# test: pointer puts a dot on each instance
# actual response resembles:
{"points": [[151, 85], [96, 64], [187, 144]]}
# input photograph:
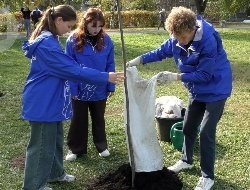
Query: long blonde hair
{"points": [[47, 23]]}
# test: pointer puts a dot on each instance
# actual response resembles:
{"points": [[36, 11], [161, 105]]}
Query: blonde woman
{"points": [[205, 71]]}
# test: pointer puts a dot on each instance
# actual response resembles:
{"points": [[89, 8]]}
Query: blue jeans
{"points": [[207, 115], [27, 27], [44, 156]]}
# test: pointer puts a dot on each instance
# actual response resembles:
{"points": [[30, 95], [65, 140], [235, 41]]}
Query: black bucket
{"points": [[164, 126]]}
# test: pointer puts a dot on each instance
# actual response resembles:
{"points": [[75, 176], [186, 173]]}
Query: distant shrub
{"points": [[133, 18], [212, 12], [9, 22]]}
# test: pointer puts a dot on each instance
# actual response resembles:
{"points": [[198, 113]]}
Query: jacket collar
{"points": [[199, 31], [197, 37]]}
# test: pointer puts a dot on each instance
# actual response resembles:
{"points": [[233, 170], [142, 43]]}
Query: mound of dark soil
{"points": [[121, 179]]}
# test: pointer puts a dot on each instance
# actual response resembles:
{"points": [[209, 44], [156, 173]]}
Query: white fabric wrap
{"points": [[147, 152]]}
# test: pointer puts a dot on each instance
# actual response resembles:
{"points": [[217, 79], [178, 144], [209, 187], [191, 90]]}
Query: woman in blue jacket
{"points": [[90, 47], [205, 71], [46, 97]]}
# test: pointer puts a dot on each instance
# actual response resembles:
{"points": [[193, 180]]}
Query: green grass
{"points": [[233, 152]]}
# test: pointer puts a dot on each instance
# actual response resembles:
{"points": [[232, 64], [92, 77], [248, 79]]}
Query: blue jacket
{"points": [[204, 66], [90, 57], [46, 95]]}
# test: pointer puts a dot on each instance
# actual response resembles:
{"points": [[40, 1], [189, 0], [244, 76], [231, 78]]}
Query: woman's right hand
{"points": [[74, 97], [134, 62], [116, 77]]}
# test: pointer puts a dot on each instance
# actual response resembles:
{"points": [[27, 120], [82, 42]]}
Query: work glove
{"points": [[166, 76], [134, 62]]}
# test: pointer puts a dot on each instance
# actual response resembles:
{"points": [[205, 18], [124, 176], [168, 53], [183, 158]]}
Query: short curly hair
{"points": [[180, 20]]}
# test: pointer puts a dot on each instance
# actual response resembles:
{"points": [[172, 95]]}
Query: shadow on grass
{"points": [[242, 35], [222, 184], [241, 72], [220, 150], [219, 184]]}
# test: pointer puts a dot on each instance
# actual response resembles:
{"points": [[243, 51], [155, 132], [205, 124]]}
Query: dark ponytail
{"points": [[47, 22]]}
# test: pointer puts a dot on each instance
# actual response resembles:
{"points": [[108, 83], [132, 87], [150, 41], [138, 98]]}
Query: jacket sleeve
{"points": [[206, 65], [111, 66], [163, 52], [70, 52], [63, 66]]}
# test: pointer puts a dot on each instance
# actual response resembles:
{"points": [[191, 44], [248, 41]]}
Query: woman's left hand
{"points": [[111, 94]]}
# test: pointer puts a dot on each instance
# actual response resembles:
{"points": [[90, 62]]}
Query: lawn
{"points": [[233, 152]]}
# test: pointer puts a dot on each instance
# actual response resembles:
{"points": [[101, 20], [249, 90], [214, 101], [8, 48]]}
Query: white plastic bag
{"points": [[168, 107], [147, 152]]}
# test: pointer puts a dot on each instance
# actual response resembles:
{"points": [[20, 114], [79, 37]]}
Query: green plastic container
{"points": [[176, 135], [164, 126]]}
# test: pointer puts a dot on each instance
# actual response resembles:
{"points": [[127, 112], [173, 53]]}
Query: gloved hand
{"points": [[166, 76], [134, 62]]}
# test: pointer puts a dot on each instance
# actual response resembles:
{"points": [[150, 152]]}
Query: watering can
{"points": [[176, 135]]}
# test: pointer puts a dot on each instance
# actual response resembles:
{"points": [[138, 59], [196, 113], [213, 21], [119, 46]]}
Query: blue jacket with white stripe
{"points": [[205, 69], [100, 60], [46, 94]]}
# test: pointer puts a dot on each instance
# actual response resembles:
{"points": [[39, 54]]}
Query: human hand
{"points": [[134, 62], [110, 94], [74, 97], [166, 76], [116, 77]]}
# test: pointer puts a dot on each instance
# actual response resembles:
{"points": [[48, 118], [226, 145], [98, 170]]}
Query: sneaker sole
{"points": [[177, 171]]}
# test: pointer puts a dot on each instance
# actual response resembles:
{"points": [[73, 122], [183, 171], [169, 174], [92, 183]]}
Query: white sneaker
{"points": [[67, 178], [70, 156], [105, 153], [204, 184], [47, 188], [64, 178], [180, 165]]}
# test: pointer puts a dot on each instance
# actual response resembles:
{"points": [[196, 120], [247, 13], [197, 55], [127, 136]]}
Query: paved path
{"points": [[12, 35], [126, 30], [21, 35]]}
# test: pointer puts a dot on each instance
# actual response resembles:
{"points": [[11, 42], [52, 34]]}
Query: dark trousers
{"points": [[207, 115], [77, 139], [161, 23]]}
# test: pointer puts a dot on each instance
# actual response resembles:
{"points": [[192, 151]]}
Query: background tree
{"points": [[231, 7], [148, 5], [12, 5], [226, 7], [106, 5]]}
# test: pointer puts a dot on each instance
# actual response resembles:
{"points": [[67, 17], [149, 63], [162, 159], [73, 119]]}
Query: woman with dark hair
{"points": [[46, 97], [91, 47]]}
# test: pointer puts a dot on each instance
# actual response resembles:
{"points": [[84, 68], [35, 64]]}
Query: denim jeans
{"points": [[206, 115], [44, 156], [27, 27]]}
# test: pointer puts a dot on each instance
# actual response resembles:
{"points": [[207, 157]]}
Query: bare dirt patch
{"points": [[121, 179]]}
